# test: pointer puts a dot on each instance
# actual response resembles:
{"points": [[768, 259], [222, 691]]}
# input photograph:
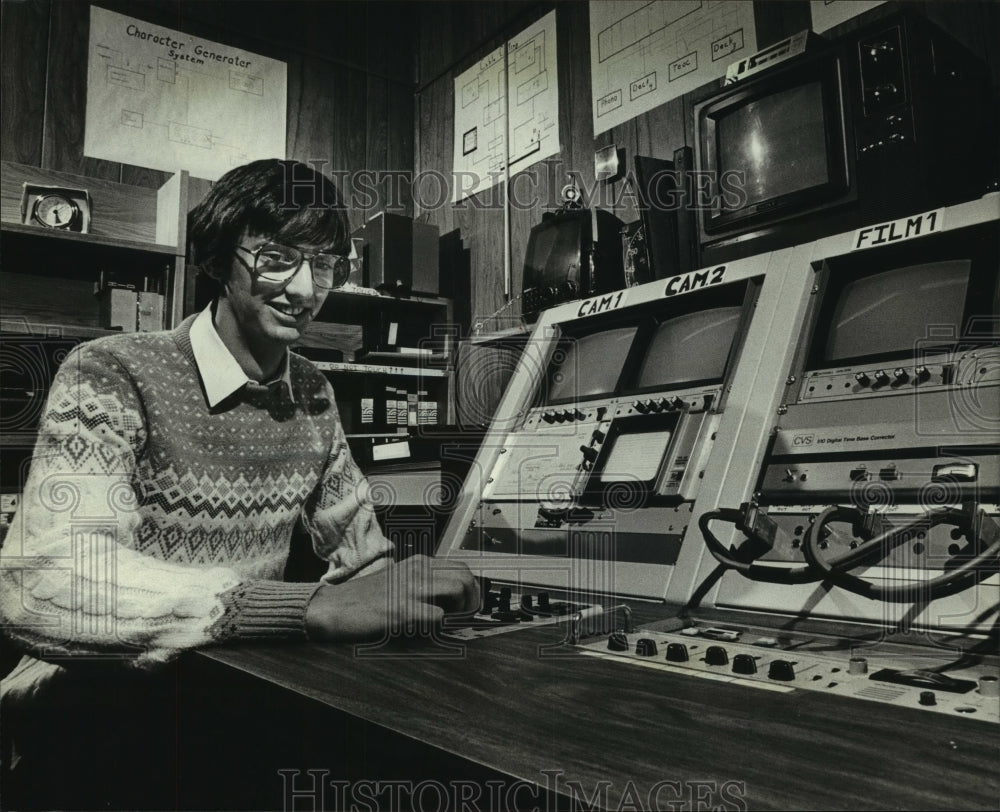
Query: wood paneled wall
{"points": [[371, 86], [350, 79], [454, 35]]}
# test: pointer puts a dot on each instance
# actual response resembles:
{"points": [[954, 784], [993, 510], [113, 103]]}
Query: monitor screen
{"points": [[688, 348], [892, 313], [777, 143], [590, 365], [553, 253]]}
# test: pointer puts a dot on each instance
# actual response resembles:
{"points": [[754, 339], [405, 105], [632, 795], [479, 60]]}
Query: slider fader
{"points": [[504, 609]]}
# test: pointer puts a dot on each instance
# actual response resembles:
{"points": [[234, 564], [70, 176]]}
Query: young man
{"points": [[171, 468]]}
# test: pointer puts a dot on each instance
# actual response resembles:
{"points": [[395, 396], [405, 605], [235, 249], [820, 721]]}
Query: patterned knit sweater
{"points": [[152, 523]]}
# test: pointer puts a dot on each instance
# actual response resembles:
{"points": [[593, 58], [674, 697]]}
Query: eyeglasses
{"points": [[279, 264]]}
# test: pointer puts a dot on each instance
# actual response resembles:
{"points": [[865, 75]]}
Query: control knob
{"points": [[988, 686], [617, 641], [645, 647], [781, 670], [878, 51], [885, 92], [677, 653], [744, 664], [716, 655]]}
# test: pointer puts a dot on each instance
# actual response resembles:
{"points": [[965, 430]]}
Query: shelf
{"points": [[356, 293], [13, 324], [508, 334], [379, 369], [436, 360], [87, 239], [355, 305]]}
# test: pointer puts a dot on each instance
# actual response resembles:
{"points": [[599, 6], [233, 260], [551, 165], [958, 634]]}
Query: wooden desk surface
{"points": [[504, 704]]}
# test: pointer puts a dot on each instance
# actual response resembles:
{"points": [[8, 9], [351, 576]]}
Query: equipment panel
{"points": [[877, 497]]}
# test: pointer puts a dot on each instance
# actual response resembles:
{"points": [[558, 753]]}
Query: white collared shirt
{"points": [[220, 372]]}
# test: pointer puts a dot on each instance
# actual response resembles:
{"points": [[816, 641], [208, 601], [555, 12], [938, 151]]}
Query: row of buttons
{"points": [[658, 405], [562, 415], [888, 473], [899, 376], [744, 664]]}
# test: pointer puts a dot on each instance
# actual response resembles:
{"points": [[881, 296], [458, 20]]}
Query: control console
{"points": [[957, 683]]}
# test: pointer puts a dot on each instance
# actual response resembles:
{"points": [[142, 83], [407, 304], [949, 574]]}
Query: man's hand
{"points": [[411, 595]]}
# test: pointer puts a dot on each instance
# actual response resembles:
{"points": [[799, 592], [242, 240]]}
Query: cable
{"points": [[757, 572], [957, 580]]}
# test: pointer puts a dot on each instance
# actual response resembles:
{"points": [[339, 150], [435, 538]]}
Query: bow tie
{"points": [[264, 391]]}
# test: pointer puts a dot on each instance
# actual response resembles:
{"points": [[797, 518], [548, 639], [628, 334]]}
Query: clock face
{"points": [[56, 211]]}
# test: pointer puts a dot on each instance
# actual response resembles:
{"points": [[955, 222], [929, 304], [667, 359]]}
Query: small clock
{"points": [[56, 207]]}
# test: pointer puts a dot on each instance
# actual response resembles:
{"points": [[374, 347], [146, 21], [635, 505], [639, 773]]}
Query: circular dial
{"points": [[56, 211]]}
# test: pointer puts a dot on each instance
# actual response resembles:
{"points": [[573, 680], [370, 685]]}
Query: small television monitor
{"points": [[774, 148], [690, 349], [571, 254], [589, 365], [691, 340], [851, 132], [898, 302]]}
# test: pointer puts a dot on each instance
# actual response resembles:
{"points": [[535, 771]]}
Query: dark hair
{"points": [[286, 200]]}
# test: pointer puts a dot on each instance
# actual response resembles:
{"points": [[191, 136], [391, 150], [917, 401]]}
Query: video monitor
{"points": [[690, 348], [914, 297], [589, 365], [777, 143], [553, 252], [891, 313]]}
